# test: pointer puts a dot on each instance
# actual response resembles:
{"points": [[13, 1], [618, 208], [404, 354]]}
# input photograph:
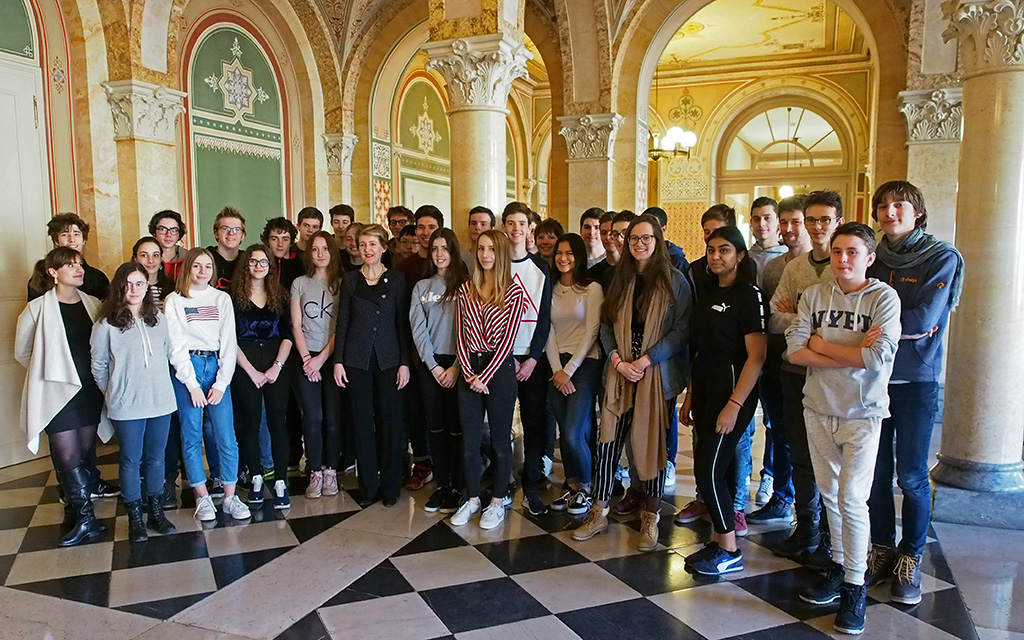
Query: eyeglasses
{"points": [[135, 285], [616, 235], [253, 262], [824, 221], [233, 230], [168, 230], [645, 240]]}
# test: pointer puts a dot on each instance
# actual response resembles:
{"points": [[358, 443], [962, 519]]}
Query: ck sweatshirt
{"points": [[204, 321], [432, 320], [130, 368], [843, 318]]}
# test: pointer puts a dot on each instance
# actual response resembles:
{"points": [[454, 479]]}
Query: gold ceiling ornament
{"points": [[686, 111]]}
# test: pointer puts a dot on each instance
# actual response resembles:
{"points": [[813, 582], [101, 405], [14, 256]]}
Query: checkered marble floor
{"points": [[327, 569]]}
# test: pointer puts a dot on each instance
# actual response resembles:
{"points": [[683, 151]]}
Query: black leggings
{"points": [[69, 449], [377, 410], [321, 417], [714, 456], [249, 403], [441, 413], [499, 405]]}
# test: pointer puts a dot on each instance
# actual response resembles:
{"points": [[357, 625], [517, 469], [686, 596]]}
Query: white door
{"points": [[24, 210]]}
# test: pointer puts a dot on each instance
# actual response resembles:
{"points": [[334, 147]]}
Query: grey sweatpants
{"points": [[843, 453]]}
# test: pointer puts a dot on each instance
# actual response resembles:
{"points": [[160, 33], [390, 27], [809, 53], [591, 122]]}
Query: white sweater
{"points": [[205, 321], [575, 321]]}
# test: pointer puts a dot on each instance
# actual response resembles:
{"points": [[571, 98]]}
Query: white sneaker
{"points": [[205, 511], [764, 491], [235, 508], [492, 516], [670, 474], [468, 509]]}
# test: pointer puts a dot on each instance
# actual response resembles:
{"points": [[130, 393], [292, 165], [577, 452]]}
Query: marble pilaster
{"points": [[339, 148], [478, 73], [144, 117], [590, 140], [983, 431]]}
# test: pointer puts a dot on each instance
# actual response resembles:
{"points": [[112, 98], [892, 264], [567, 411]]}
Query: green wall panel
{"points": [[412, 111], [253, 185], [16, 29], [224, 46]]}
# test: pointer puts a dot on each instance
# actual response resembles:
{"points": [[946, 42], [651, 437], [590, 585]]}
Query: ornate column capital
{"points": [[590, 136], [144, 111], [933, 115], [990, 33], [478, 70], [339, 148]]}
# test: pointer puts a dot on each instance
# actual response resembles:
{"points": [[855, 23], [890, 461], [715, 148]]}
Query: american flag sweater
{"points": [[205, 321]]}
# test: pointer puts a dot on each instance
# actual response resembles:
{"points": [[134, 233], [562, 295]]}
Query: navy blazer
{"points": [[380, 324]]}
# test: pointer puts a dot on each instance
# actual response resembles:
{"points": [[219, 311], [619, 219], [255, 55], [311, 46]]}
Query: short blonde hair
{"points": [[375, 231]]}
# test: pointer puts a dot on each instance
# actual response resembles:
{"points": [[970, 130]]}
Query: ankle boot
{"points": [[76, 485], [157, 521], [136, 527]]}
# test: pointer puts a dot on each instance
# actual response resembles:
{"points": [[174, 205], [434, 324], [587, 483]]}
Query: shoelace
{"points": [[905, 566], [877, 560]]}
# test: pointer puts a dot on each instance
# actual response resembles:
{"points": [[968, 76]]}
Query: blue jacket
{"points": [[678, 258], [925, 297]]}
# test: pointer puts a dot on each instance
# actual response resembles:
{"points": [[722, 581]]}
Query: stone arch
{"points": [[541, 28], [641, 47], [585, 55]]}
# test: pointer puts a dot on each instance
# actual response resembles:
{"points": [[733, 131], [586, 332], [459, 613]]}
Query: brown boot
{"points": [[648, 531]]}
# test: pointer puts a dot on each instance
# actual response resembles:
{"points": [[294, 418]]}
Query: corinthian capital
{"points": [[339, 148], [478, 70], [990, 32], [590, 136], [933, 116], [143, 111]]}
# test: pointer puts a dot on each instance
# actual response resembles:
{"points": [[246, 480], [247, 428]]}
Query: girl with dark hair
{"points": [[575, 358], [314, 304], [263, 329], [130, 353], [60, 396], [491, 307], [432, 314], [201, 323], [149, 254], [646, 317], [372, 362], [729, 334]]}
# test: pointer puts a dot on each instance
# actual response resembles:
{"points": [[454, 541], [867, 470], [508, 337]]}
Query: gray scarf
{"points": [[914, 250]]}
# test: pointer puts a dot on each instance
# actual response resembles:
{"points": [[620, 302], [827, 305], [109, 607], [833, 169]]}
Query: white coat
{"points": [[41, 346]]}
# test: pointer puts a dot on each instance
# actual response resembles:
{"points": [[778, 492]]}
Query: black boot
{"points": [[157, 521], [76, 485], [804, 539], [821, 558], [136, 527], [169, 500]]}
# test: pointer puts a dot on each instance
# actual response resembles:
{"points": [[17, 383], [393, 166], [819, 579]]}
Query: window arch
{"points": [[784, 137], [237, 142], [17, 36]]}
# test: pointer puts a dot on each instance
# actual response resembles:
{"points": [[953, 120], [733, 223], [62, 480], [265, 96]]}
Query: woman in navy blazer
{"points": [[371, 356]]}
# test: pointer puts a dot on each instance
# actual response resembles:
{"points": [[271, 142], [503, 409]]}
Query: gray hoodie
{"points": [[132, 369], [844, 318]]}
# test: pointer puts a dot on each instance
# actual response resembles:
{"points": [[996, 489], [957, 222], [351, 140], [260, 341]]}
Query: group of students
{"points": [[370, 350]]}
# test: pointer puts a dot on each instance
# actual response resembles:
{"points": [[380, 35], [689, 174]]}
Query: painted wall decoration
{"points": [[423, 148], [237, 137], [16, 29]]}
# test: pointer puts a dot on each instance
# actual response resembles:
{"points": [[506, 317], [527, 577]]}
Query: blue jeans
{"points": [[776, 445], [743, 467], [142, 442], [913, 407], [768, 457], [222, 421], [574, 413]]}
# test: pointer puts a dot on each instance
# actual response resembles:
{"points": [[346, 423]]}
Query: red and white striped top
{"points": [[485, 327]]}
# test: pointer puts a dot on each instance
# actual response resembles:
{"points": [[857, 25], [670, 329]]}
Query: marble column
{"points": [[590, 140], [979, 474], [934, 119], [478, 72], [147, 160], [339, 148]]}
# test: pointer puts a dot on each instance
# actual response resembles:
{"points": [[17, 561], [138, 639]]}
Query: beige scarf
{"points": [[650, 416]]}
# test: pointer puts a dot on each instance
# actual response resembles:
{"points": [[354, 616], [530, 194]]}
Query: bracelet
{"points": [[280, 365], [306, 357], [616, 359], [733, 400]]}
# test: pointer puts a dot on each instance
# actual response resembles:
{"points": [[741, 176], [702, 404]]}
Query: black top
{"points": [[288, 270], [259, 324], [225, 270], [701, 280], [96, 283], [721, 320], [373, 320], [637, 325], [85, 406], [598, 271]]}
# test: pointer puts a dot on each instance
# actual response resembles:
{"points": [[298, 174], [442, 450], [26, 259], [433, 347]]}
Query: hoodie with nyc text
{"points": [[843, 319]]}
